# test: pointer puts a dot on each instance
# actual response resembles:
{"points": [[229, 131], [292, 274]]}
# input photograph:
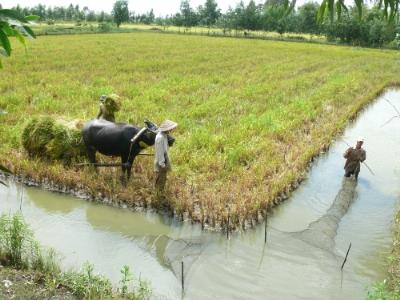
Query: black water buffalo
{"points": [[114, 139]]}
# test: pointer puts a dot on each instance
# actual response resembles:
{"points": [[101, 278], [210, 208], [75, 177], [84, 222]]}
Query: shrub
{"points": [[126, 278], [381, 291], [15, 241], [296, 37], [18, 249], [142, 291], [395, 44], [104, 27], [86, 284], [369, 32]]}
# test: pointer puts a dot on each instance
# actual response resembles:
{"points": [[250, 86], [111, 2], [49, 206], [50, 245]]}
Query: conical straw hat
{"points": [[167, 125]]}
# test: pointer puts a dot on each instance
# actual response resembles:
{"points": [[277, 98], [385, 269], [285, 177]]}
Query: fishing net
{"points": [[172, 252], [321, 233]]}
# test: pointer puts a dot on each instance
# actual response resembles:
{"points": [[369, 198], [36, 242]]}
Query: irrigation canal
{"points": [[307, 236]]}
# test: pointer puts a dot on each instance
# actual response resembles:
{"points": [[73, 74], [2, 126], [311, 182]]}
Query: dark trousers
{"points": [[355, 171], [160, 181]]}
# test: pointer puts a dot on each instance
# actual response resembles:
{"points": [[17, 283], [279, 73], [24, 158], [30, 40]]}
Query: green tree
{"points": [[91, 16], [101, 17], [149, 17], [39, 10], [120, 12], [252, 16], [70, 12], [209, 13], [187, 15], [85, 11], [238, 16], [59, 13], [307, 18], [273, 16]]}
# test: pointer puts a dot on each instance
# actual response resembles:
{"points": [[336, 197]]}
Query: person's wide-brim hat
{"points": [[360, 139], [167, 125]]}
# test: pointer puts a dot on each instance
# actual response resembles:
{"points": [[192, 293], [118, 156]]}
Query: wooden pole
{"points": [[100, 164], [22, 197], [108, 164], [227, 227], [183, 276], [265, 230]]}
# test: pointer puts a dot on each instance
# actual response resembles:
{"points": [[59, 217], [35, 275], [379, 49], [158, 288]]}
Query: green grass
{"points": [[251, 113], [389, 289], [19, 250]]}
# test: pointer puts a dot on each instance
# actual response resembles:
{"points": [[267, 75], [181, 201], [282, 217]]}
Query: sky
{"points": [[161, 7]]}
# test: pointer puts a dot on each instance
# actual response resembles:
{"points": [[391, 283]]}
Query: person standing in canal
{"points": [[162, 163], [354, 157]]}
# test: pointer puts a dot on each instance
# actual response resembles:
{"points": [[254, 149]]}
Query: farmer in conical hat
{"points": [[162, 163], [354, 157]]}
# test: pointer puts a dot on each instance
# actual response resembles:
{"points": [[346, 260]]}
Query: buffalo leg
{"points": [[92, 157], [129, 169], [131, 159], [124, 168]]}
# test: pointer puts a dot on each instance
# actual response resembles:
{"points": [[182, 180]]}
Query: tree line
{"points": [[75, 13], [369, 29]]}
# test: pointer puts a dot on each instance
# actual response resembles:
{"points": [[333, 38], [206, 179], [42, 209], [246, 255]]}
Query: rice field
{"points": [[252, 114]]}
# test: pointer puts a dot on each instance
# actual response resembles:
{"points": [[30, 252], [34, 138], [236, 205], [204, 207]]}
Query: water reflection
{"points": [[51, 202]]}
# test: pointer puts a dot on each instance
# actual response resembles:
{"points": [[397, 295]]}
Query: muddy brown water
{"points": [[292, 265]]}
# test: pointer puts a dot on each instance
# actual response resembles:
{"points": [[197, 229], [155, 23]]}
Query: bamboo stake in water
{"points": [[265, 230], [228, 222], [22, 196], [345, 259], [227, 227], [183, 276]]}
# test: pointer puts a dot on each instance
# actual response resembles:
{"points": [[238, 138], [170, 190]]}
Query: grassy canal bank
{"points": [[29, 271], [389, 289], [252, 114]]}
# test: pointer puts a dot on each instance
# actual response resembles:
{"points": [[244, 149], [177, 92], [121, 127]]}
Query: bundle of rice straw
{"points": [[54, 140]]}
